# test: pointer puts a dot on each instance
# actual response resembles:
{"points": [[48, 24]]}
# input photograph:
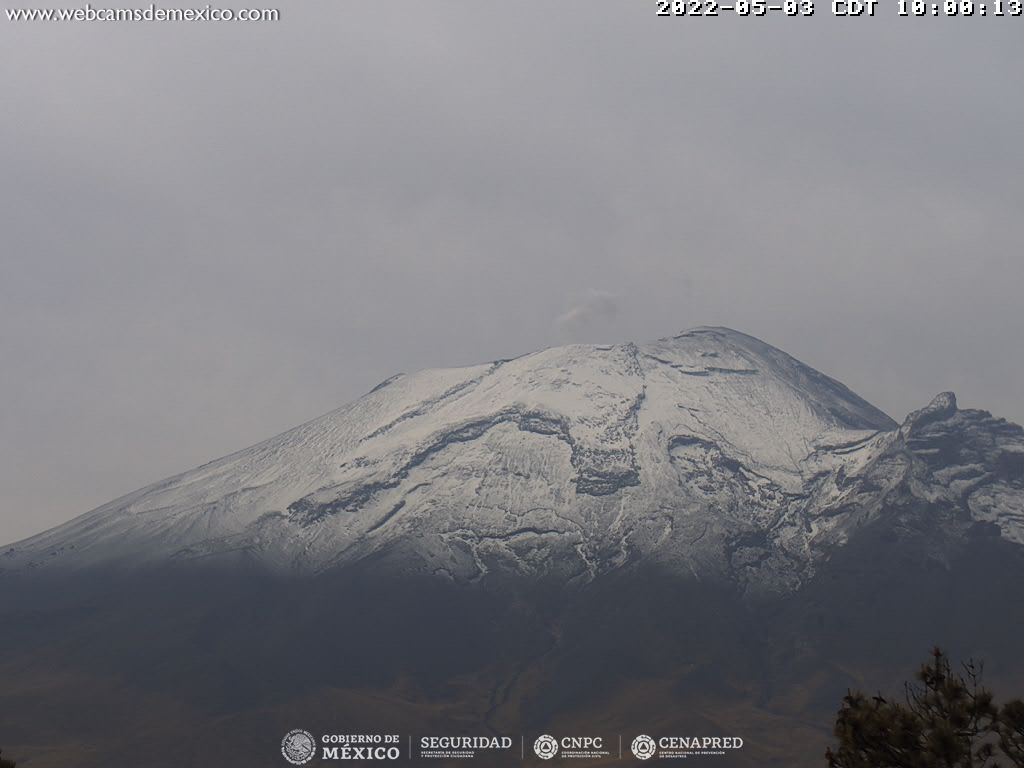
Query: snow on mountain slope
{"points": [[710, 452]]}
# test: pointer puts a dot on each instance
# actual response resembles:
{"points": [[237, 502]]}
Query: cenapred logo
{"points": [[298, 746], [545, 747], [643, 747]]}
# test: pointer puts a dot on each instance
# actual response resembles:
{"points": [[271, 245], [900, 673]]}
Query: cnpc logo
{"points": [[547, 747]]}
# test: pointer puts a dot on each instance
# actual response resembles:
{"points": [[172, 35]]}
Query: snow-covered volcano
{"points": [[710, 453], [696, 535]]}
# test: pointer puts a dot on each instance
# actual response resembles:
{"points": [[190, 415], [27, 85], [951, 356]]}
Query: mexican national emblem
{"points": [[298, 746]]}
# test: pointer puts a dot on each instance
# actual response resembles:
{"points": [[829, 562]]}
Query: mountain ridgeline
{"points": [[696, 533]]}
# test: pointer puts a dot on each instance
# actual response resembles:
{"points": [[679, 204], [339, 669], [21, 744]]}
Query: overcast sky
{"points": [[212, 232]]}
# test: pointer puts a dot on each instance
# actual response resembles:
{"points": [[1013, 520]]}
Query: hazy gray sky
{"points": [[212, 232]]}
